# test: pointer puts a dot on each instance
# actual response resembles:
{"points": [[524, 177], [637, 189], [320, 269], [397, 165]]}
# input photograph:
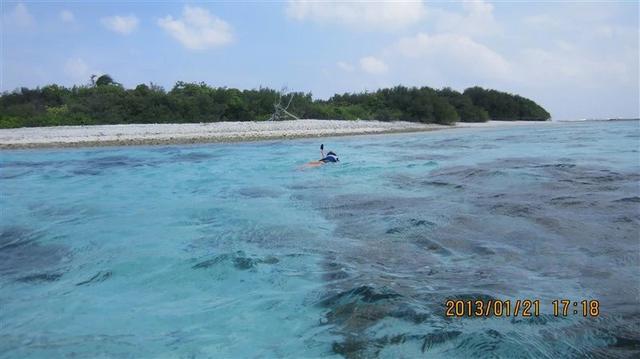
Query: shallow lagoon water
{"points": [[229, 250]]}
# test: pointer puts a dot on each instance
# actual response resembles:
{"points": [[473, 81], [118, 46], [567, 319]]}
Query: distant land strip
{"points": [[105, 101]]}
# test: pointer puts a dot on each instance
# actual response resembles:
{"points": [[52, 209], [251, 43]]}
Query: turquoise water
{"points": [[229, 250]]}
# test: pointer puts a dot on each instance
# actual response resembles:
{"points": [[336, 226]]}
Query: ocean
{"points": [[234, 251]]}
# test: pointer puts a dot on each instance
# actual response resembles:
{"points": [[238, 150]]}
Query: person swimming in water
{"points": [[330, 157]]}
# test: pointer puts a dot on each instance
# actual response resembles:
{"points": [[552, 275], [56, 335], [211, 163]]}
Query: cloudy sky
{"points": [[577, 59]]}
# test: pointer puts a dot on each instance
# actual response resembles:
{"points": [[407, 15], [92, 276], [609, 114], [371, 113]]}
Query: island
{"points": [[106, 102]]}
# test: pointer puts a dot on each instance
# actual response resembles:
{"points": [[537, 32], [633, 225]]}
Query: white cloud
{"points": [[345, 66], [542, 20], [121, 24], [78, 70], [581, 28], [373, 65], [586, 51], [67, 16], [476, 20], [197, 29], [569, 65], [364, 15], [453, 52], [20, 17], [601, 84], [605, 31]]}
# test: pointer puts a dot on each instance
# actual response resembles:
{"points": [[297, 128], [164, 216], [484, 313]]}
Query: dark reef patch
{"points": [[96, 166], [21, 254], [430, 244], [566, 201], [354, 311], [634, 199], [40, 277], [363, 294], [513, 209], [334, 271], [506, 217], [627, 343], [259, 192], [30, 164], [556, 165], [13, 173], [408, 182], [438, 337], [421, 224], [211, 262], [368, 217], [196, 157], [165, 149], [239, 260], [465, 173], [541, 319], [423, 157]]}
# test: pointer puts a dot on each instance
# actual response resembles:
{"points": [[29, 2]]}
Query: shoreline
{"points": [[218, 132]]}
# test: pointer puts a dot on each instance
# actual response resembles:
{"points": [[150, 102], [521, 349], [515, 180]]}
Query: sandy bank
{"points": [[150, 134]]}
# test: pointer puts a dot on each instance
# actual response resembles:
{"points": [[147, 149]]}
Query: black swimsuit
{"points": [[331, 157]]}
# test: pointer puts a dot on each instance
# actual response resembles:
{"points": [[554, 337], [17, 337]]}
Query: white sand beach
{"points": [[150, 134]]}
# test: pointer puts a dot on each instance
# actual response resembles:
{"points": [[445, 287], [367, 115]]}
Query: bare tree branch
{"points": [[280, 112]]}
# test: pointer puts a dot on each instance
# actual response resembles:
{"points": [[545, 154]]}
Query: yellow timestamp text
{"points": [[469, 308]]}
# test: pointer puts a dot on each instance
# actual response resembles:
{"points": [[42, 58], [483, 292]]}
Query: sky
{"points": [[578, 59]]}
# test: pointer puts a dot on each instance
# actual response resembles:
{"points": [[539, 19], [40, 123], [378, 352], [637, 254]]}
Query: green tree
{"points": [[506, 107], [465, 108], [108, 102], [104, 80]]}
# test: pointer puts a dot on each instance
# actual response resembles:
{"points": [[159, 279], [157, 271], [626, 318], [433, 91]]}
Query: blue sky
{"points": [[577, 59]]}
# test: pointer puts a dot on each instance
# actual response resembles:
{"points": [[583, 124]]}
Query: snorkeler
{"points": [[330, 157]]}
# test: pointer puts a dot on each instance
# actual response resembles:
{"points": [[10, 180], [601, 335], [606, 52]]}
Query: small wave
{"points": [[97, 278]]}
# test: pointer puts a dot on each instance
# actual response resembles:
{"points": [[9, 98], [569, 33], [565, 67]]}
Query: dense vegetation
{"points": [[107, 102]]}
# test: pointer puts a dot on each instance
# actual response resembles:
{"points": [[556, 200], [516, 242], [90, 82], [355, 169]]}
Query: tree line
{"points": [[105, 101]]}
